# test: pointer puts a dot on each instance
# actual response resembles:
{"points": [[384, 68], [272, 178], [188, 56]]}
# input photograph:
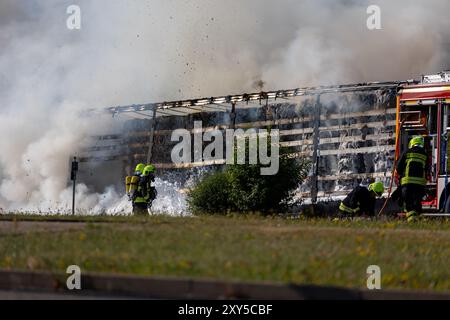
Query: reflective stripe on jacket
{"points": [[344, 208], [413, 167], [358, 201]]}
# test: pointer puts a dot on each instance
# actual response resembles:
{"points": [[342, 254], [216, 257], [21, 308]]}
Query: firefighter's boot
{"points": [[411, 216]]}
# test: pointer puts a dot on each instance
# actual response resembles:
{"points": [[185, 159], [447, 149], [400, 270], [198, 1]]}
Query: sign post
{"points": [[73, 177]]}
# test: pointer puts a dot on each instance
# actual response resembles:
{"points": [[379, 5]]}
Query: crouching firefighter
{"points": [[139, 188], [361, 201], [412, 169]]}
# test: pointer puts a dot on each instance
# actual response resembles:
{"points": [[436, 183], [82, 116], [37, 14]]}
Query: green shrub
{"points": [[242, 188], [211, 195], [251, 191]]}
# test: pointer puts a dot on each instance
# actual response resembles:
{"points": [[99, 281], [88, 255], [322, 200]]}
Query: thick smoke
{"points": [[139, 51]]}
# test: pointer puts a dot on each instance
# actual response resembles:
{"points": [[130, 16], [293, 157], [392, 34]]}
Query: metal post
{"points": [[233, 114], [445, 153], [439, 150], [268, 111], [73, 197], [73, 177], [152, 134], [315, 156]]}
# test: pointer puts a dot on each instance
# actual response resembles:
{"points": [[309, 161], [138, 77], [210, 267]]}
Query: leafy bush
{"points": [[242, 188], [211, 195], [251, 191]]}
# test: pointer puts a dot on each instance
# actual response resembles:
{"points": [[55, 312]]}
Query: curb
{"points": [[109, 285]]}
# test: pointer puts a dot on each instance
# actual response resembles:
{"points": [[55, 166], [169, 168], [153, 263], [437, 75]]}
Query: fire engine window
{"points": [[432, 119], [447, 110]]}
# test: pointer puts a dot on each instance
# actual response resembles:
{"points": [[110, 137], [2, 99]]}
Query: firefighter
{"points": [[148, 177], [137, 191], [361, 201], [145, 193], [412, 170]]}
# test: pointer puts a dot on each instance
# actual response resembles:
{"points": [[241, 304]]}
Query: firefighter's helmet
{"points": [[377, 187], [140, 167], [416, 141], [148, 169]]}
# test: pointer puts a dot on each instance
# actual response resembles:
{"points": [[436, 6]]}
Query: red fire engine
{"points": [[423, 109]]}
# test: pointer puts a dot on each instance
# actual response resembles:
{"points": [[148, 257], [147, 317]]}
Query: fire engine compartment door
{"points": [[425, 120], [444, 165]]}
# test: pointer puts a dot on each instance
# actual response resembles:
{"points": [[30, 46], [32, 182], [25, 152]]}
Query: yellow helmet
{"points": [[416, 141], [140, 167], [148, 169], [377, 187]]}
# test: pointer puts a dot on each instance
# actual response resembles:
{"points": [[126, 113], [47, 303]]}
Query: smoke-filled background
{"points": [[142, 51]]}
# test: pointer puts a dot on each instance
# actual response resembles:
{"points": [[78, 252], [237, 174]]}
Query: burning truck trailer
{"points": [[353, 135]]}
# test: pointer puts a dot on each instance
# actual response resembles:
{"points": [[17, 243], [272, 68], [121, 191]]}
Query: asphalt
{"points": [[45, 295]]}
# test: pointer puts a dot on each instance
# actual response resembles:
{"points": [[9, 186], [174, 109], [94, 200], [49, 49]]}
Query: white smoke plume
{"points": [[140, 51]]}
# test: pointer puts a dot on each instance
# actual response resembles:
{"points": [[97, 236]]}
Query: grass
{"points": [[313, 251]]}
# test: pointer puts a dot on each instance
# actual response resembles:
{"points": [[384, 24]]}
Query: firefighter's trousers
{"points": [[140, 208], [412, 195]]}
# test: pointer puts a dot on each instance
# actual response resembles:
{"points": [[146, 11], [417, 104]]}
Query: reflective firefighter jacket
{"points": [[413, 167], [145, 189], [358, 201]]}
